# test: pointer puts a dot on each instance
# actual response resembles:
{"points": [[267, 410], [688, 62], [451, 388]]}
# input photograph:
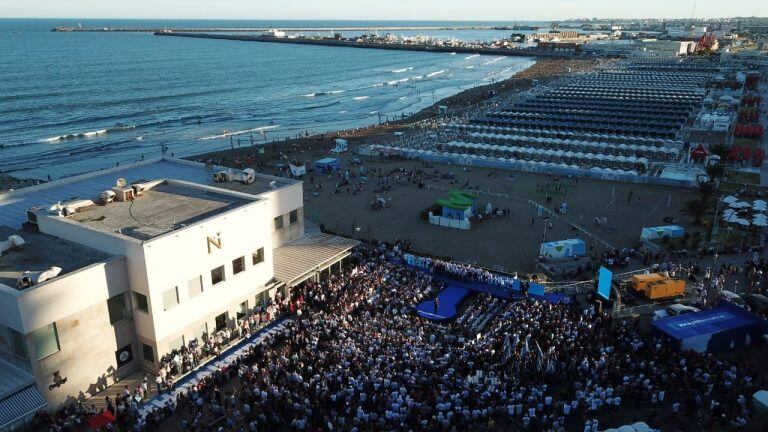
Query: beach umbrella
{"points": [[742, 222], [760, 222], [730, 199]]}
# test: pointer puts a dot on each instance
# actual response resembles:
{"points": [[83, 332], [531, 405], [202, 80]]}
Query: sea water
{"points": [[76, 102]]}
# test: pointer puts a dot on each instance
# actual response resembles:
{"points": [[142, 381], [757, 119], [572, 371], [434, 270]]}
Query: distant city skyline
{"points": [[453, 10]]}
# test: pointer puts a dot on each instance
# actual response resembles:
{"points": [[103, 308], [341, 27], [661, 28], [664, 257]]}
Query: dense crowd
{"points": [[356, 357]]}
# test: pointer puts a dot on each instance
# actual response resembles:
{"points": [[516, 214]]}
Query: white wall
{"points": [[172, 260], [63, 296], [281, 202], [132, 249]]}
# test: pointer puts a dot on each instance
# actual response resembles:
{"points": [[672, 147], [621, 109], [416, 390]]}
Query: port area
{"points": [[487, 48]]}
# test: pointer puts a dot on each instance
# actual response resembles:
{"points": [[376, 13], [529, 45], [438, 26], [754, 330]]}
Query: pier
{"points": [[485, 50]]}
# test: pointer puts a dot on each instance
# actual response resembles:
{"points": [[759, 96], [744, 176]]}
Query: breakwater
{"points": [[484, 50]]}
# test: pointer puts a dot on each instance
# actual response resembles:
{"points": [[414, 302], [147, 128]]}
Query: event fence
{"points": [[549, 170]]}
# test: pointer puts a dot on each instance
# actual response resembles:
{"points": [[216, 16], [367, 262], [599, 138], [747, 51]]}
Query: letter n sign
{"points": [[214, 241]]}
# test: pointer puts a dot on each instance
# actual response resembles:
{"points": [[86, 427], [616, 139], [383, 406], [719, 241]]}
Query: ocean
{"points": [[78, 102]]}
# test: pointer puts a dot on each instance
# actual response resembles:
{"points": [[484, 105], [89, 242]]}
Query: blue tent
{"points": [[670, 231], [327, 165], [719, 329], [563, 249]]}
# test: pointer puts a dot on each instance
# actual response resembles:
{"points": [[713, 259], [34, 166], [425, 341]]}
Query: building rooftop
{"points": [[14, 205], [40, 252], [166, 207], [262, 185]]}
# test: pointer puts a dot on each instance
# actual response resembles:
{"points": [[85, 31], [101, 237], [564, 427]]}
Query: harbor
{"points": [[482, 48]]}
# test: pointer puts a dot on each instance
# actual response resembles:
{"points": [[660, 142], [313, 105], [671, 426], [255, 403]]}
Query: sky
{"points": [[456, 10]]}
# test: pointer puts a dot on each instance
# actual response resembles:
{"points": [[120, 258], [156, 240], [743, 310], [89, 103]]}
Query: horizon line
{"points": [[393, 20]]}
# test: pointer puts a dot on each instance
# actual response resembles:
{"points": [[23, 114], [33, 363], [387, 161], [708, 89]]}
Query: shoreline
{"points": [[543, 70]]}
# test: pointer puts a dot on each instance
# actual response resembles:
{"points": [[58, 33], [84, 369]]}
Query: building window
{"points": [[124, 356], [140, 302], [148, 353], [293, 217], [116, 308], [258, 256], [45, 341], [242, 310], [171, 298], [217, 275], [195, 286], [238, 265], [221, 321], [19, 346], [278, 222]]}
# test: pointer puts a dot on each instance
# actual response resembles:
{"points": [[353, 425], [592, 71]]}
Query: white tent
{"points": [[563, 249], [670, 231]]}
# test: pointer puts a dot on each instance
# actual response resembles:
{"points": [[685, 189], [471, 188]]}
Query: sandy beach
{"points": [[543, 72]]}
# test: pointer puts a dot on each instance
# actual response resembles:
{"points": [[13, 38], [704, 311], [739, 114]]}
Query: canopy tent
{"points": [[327, 165], [458, 205], [699, 154], [719, 329], [563, 249], [760, 401], [669, 231]]}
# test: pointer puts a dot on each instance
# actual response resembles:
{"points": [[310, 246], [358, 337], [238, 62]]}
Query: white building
{"points": [[151, 256]]}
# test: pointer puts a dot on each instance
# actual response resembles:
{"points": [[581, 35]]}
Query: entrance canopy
{"points": [[20, 398], [300, 259]]}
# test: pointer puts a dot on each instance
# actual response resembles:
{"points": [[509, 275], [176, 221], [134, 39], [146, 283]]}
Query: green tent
{"points": [[457, 199]]}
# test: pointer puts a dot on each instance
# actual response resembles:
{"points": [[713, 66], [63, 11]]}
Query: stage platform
{"points": [[450, 299], [458, 290]]}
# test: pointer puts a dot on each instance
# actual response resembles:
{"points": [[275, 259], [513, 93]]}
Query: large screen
{"points": [[604, 283]]}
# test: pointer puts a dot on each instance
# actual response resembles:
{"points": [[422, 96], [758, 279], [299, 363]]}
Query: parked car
{"points": [[756, 303], [732, 297], [674, 310]]}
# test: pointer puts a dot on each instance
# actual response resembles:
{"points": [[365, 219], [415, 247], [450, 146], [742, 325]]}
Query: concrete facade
{"points": [[183, 258]]}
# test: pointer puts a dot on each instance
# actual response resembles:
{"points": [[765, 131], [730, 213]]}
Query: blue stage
{"points": [[456, 291], [450, 299]]}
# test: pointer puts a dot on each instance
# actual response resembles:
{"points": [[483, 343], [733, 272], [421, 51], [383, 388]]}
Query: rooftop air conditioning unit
{"points": [[222, 176], [107, 197], [248, 176], [141, 187], [71, 207], [28, 278], [14, 242], [123, 193]]}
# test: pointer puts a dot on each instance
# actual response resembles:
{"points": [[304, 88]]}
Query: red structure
{"points": [[699, 154]]}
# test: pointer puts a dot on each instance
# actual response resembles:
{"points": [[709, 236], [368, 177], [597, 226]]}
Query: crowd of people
{"points": [[356, 357]]}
